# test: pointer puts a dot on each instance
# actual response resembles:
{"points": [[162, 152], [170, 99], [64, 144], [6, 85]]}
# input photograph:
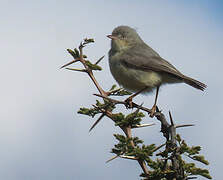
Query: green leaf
{"points": [[113, 87], [178, 138], [194, 150], [118, 117], [93, 66], [131, 119], [87, 41], [183, 147], [201, 172], [72, 53], [201, 159], [124, 146], [91, 40], [88, 111], [123, 92], [77, 52]]}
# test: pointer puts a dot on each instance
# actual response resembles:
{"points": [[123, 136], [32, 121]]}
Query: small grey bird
{"points": [[138, 68]]}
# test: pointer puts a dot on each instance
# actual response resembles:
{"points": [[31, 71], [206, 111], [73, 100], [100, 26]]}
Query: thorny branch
{"points": [[168, 129], [105, 94]]}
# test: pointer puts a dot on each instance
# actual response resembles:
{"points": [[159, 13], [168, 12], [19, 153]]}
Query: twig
{"points": [[73, 61], [96, 122], [184, 125], [134, 105], [89, 71], [79, 70], [169, 131], [99, 60], [157, 148], [114, 157], [129, 157], [143, 125]]}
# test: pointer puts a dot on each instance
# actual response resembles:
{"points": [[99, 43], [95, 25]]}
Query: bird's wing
{"points": [[146, 61]]}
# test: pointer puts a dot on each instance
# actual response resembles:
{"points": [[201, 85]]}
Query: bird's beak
{"points": [[112, 37]]}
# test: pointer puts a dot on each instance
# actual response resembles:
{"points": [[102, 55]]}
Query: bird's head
{"points": [[124, 37]]}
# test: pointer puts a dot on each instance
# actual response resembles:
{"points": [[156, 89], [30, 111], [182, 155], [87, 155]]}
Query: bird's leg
{"points": [[154, 106], [129, 99]]}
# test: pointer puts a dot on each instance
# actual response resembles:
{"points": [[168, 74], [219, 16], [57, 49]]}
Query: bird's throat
{"points": [[120, 45]]}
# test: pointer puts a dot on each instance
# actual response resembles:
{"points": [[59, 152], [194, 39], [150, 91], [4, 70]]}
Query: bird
{"points": [[140, 69]]}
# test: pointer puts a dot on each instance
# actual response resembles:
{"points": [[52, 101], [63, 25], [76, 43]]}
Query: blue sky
{"points": [[41, 135]]}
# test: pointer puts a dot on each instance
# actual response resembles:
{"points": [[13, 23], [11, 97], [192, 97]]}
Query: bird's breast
{"points": [[133, 79]]}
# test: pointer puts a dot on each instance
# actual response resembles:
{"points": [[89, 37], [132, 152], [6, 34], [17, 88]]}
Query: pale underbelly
{"points": [[135, 80]]}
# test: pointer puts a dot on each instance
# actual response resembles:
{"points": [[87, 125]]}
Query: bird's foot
{"points": [[128, 102], [153, 110]]}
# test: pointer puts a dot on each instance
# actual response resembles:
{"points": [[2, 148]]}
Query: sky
{"points": [[41, 135]]}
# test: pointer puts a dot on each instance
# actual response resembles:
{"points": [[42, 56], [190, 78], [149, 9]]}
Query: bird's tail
{"points": [[194, 83]]}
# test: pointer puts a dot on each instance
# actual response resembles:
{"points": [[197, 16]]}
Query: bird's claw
{"points": [[153, 110], [128, 103]]}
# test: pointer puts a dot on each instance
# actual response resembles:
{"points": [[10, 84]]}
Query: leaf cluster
{"points": [[193, 153], [97, 108], [138, 151], [118, 92], [131, 119], [75, 53], [163, 169], [93, 66]]}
